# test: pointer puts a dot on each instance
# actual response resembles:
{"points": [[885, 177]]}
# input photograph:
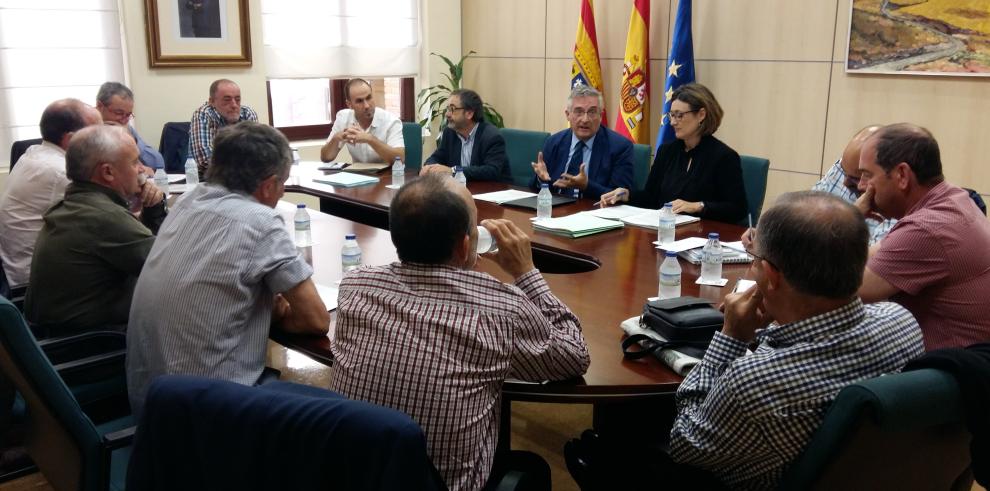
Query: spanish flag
{"points": [[633, 119], [586, 68]]}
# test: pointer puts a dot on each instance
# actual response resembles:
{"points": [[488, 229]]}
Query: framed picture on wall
{"points": [[919, 37], [198, 33]]}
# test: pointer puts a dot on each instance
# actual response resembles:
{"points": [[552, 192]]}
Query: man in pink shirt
{"points": [[936, 260]]}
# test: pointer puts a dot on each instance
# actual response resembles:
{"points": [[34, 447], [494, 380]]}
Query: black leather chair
{"points": [[18, 149], [174, 146]]}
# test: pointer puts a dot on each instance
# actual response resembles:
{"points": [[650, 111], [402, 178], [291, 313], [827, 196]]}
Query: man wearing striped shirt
{"points": [[434, 339], [746, 416], [223, 269], [934, 261]]}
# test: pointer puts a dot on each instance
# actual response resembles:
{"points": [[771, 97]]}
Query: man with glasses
{"points": [[371, 133], [587, 157], [469, 141], [805, 319], [116, 104]]}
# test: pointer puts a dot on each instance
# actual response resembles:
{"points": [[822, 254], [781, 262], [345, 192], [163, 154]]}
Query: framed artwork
{"points": [[920, 37], [198, 33]]}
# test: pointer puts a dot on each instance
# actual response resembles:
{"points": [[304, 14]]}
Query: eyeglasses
{"points": [[761, 258], [120, 113], [677, 115], [452, 109], [593, 113]]}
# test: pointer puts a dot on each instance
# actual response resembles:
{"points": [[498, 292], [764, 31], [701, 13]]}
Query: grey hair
{"points": [[247, 153], [91, 146], [815, 225], [110, 89], [582, 90]]}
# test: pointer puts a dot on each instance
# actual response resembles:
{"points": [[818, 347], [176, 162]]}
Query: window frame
{"points": [[407, 104]]}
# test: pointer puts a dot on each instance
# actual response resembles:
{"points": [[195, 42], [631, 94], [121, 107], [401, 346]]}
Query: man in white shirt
{"points": [[371, 134], [36, 183]]}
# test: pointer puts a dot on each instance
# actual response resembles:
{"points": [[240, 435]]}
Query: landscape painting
{"points": [[927, 37]]}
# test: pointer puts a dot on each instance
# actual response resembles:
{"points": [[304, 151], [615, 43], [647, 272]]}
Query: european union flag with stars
{"points": [[680, 67]]}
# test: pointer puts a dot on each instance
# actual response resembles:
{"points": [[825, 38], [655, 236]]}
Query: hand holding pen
{"points": [[614, 196], [749, 234]]}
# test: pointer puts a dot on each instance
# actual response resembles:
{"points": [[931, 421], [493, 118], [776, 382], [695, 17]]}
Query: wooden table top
{"points": [[626, 275]]}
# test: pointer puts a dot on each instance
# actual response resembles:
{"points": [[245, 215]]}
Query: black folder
{"points": [[530, 202]]}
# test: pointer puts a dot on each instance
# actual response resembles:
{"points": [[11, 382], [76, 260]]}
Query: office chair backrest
{"points": [[901, 431], [754, 173], [174, 146], [521, 147], [60, 438], [275, 436], [19, 147], [641, 165], [412, 136]]}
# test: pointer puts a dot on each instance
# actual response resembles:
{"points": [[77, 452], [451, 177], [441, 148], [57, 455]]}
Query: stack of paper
{"points": [[346, 180], [499, 197], [651, 219], [618, 212], [576, 225]]}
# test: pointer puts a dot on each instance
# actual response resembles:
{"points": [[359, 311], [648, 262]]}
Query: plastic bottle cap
{"points": [[544, 186], [671, 205], [713, 235], [301, 205], [671, 254], [350, 237]]}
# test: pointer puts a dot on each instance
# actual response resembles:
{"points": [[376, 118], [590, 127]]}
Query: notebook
{"points": [[576, 225], [346, 180], [530, 202], [499, 197], [729, 256]]}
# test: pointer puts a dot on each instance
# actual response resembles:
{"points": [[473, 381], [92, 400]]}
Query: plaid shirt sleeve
{"points": [[248, 114], [712, 428], [201, 130], [547, 340]]}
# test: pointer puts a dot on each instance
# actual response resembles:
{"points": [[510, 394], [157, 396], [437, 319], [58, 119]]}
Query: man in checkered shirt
{"points": [[430, 337], [746, 416], [223, 108]]}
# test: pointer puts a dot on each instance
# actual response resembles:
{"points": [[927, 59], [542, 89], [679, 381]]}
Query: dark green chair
{"points": [[412, 136], [641, 165], [521, 147], [902, 431], [754, 172], [71, 451]]}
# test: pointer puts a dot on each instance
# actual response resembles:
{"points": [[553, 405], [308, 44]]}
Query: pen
{"points": [[614, 198], [749, 218]]}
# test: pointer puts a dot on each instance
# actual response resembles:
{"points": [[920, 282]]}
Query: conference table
{"points": [[603, 278]]}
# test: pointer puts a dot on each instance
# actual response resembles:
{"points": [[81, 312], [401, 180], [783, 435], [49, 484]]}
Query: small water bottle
{"points": [[576, 193], [670, 276], [668, 222], [304, 234], [161, 181], [350, 254], [192, 173], [459, 175], [486, 242], [398, 173], [295, 156], [711, 259], [544, 202]]}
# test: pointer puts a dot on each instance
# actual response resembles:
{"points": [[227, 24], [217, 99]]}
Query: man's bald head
{"points": [[850, 157], [429, 218], [64, 117]]}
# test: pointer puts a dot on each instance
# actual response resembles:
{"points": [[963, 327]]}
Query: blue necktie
{"points": [[574, 166]]}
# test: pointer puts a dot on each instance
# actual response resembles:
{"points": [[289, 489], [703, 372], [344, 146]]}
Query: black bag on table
{"points": [[687, 323]]}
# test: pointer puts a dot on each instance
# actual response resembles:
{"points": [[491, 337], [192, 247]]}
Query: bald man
{"points": [[36, 183]]}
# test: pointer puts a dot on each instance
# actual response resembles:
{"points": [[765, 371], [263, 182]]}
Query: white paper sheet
{"points": [[499, 197]]}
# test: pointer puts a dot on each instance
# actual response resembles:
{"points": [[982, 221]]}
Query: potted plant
{"points": [[434, 98]]}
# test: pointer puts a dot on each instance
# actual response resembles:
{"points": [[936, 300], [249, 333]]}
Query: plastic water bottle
{"points": [[350, 254], [711, 259], [192, 173], [459, 175], [398, 173], [668, 222], [161, 180], [486, 242], [576, 193], [670, 276], [304, 234], [544, 202], [295, 156]]}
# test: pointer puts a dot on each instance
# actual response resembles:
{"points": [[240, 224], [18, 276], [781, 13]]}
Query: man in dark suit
{"points": [[469, 141], [588, 156]]}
